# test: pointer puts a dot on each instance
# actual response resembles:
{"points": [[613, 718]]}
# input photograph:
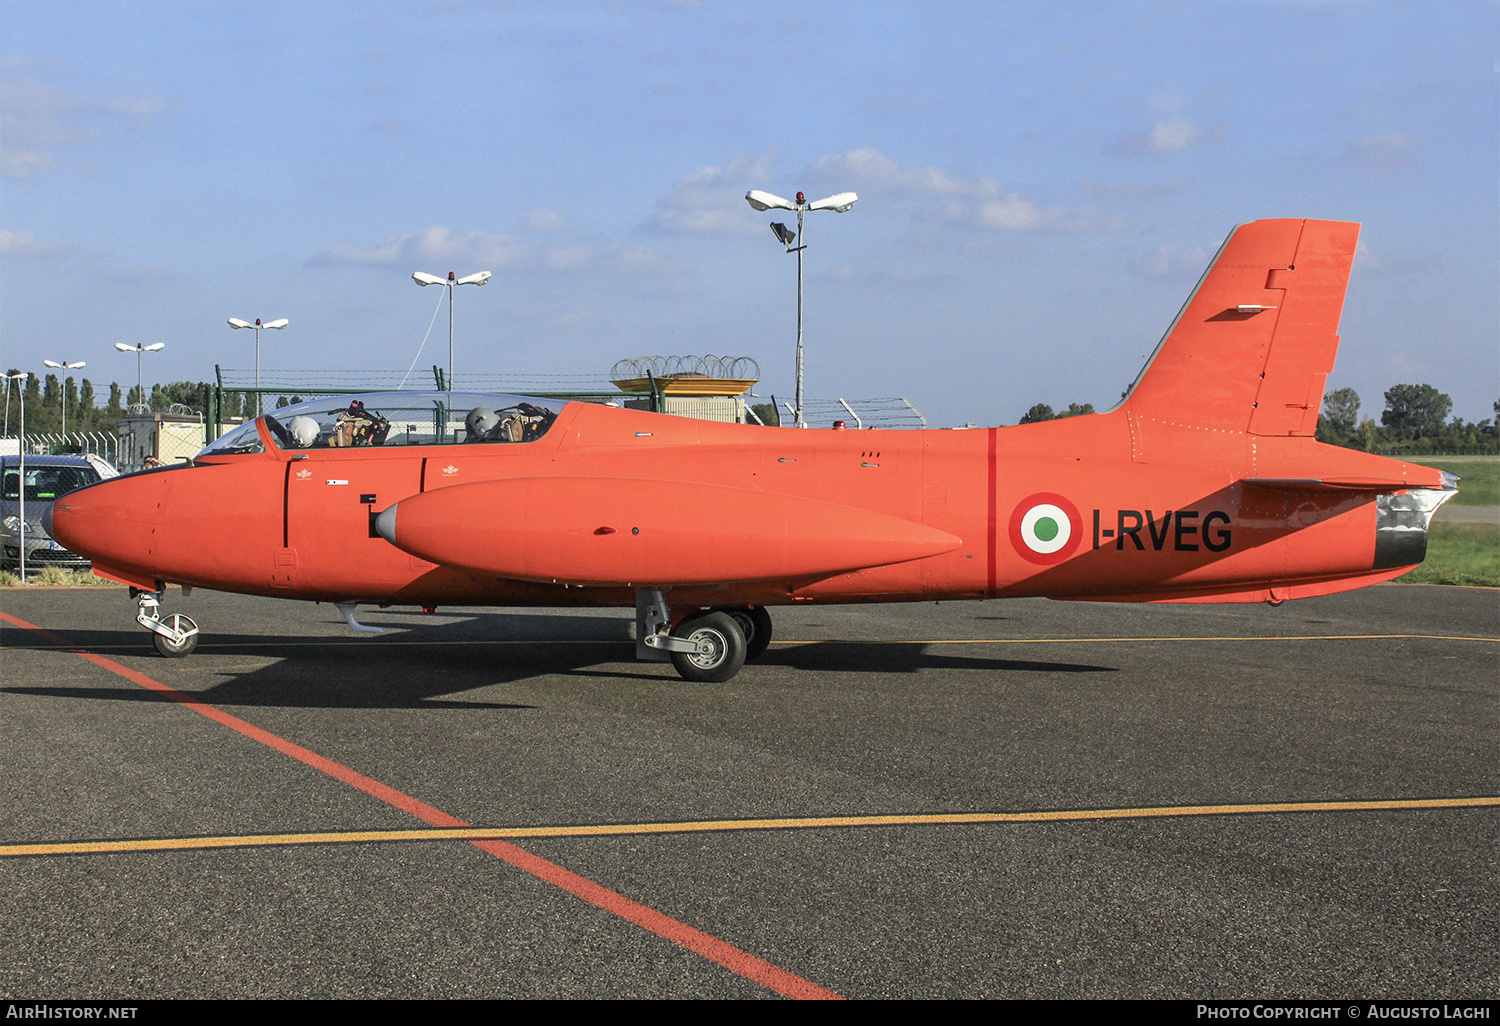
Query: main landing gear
{"points": [[706, 647], [174, 636]]}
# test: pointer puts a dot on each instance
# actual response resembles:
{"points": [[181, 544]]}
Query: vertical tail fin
{"points": [[1251, 348]]}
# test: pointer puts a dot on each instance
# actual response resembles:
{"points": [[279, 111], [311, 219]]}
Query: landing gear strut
{"points": [[707, 647], [174, 636]]}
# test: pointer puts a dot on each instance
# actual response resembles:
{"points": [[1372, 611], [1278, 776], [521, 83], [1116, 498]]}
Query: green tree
{"points": [[1341, 410], [114, 409], [1416, 409], [88, 413], [193, 394], [1038, 413], [1074, 410], [767, 414]]}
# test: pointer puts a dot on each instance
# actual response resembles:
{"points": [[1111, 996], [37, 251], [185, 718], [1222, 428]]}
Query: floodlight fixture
{"points": [[452, 281], [279, 323], [768, 201], [839, 203]]}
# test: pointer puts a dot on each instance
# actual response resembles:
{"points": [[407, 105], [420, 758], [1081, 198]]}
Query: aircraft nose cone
{"points": [[385, 525]]}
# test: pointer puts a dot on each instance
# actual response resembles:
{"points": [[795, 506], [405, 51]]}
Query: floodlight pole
{"points": [[21, 473], [767, 201], [235, 322], [452, 281], [65, 366], [140, 349], [801, 211]]}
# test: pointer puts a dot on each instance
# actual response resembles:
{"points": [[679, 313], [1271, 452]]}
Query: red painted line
{"points": [[994, 500], [743, 963], [389, 795]]}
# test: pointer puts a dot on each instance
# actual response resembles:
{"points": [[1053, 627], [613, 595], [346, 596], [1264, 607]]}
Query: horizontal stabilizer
{"points": [[1352, 484]]}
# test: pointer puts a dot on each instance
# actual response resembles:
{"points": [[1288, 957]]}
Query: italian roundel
{"points": [[1045, 528]]}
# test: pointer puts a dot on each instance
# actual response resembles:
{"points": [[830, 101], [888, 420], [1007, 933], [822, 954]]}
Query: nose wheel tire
{"points": [[720, 648], [755, 624], [176, 650]]}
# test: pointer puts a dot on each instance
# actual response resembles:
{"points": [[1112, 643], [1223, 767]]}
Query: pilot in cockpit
{"points": [[359, 426], [484, 425]]}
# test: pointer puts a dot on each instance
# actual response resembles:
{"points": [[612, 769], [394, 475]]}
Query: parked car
{"points": [[47, 478]]}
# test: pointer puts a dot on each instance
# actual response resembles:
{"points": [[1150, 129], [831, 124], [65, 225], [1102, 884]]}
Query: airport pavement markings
{"points": [[712, 948], [99, 847], [490, 840]]}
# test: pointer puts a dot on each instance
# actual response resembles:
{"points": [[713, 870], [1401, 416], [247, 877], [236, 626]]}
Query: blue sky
{"points": [[1040, 185]]}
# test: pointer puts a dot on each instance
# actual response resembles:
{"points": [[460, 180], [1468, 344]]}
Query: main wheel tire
{"points": [[755, 624], [721, 648], [165, 646]]}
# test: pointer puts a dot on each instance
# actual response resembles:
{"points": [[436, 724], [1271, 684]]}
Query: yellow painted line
{"points": [[1091, 641], [723, 825]]}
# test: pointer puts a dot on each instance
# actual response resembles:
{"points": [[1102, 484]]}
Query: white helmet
{"points": [[304, 430], [480, 422]]}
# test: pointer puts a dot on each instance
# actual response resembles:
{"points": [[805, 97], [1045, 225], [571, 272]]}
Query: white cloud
{"points": [[36, 120], [1171, 135], [870, 170], [438, 249], [1386, 148], [960, 198], [1131, 192], [1368, 261], [1169, 261], [432, 244], [542, 220], [19, 245], [711, 200]]}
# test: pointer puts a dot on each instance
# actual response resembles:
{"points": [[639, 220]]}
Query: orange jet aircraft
{"points": [[1203, 485]]}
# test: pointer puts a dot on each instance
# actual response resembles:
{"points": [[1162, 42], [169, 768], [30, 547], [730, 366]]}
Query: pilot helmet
{"points": [[480, 422], [304, 430]]}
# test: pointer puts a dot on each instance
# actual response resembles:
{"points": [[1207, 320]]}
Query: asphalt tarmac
{"points": [[919, 722]]}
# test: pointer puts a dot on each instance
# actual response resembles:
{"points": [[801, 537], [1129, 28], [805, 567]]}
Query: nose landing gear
{"points": [[174, 636]]}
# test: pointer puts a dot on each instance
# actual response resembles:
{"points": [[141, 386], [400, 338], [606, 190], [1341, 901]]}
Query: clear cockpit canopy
{"points": [[387, 419]]}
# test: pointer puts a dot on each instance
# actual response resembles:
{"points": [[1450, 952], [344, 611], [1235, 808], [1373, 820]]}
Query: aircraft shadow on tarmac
{"points": [[344, 671], [885, 657]]}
